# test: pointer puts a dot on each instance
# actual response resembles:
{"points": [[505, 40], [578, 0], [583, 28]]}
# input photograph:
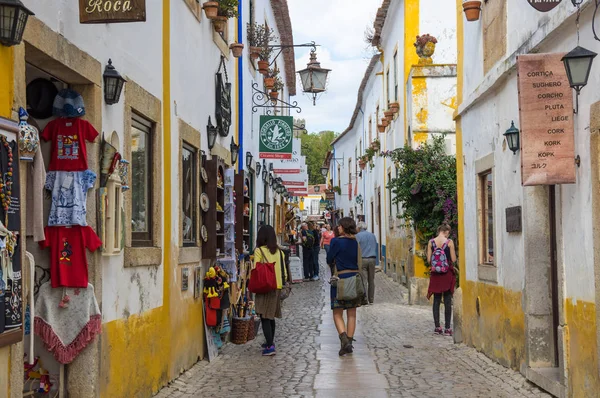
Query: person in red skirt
{"points": [[441, 256]]}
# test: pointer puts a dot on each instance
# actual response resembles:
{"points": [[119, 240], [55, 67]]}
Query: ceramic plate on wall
{"points": [[204, 175], [204, 233], [204, 202]]}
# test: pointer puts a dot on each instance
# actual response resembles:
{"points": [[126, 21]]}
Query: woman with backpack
{"points": [[344, 257], [441, 256], [268, 305]]}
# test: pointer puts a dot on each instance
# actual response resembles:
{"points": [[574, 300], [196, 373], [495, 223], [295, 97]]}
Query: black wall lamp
{"points": [[13, 19], [211, 132], [234, 148], [113, 84], [512, 138], [249, 159], [271, 180], [578, 64], [258, 167], [270, 166]]}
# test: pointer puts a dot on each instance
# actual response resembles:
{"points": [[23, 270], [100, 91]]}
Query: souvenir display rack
{"points": [[214, 216], [243, 215]]}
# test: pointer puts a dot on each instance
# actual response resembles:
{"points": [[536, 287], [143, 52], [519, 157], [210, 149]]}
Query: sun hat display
{"points": [[68, 103], [40, 96]]}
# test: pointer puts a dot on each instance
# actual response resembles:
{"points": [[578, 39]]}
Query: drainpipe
{"points": [[364, 134], [241, 156]]}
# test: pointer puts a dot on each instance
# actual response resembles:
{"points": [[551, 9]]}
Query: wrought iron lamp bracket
{"points": [[260, 99], [282, 47]]}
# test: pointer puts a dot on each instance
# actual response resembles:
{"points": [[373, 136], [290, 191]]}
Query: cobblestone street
{"points": [[396, 355]]}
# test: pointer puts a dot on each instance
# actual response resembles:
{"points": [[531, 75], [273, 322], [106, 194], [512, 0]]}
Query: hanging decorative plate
{"points": [[204, 233], [204, 175], [204, 202], [218, 226]]}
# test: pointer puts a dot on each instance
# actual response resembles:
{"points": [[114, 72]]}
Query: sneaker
{"points": [[263, 346], [269, 351], [438, 330], [315, 278], [448, 332]]}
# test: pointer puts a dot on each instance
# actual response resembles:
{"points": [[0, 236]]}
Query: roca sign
{"points": [[112, 11]]}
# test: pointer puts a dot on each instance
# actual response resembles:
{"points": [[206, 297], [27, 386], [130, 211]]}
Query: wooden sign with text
{"points": [[546, 121], [544, 5], [112, 11]]}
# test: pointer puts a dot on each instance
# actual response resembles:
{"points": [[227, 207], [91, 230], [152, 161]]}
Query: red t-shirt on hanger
{"points": [[68, 136], [68, 260]]}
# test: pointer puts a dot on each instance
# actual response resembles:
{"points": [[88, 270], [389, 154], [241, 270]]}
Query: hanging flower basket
{"points": [[219, 24], [381, 128], [269, 82], [211, 9], [236, 49], [254, 52], [263, 67], [472, 10]]}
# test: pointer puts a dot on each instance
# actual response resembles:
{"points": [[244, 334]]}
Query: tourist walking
{"points": [[326, 237], [316, 249], [344, 258], [308, 241], [268, 305], [441, 256], [370, 257]]}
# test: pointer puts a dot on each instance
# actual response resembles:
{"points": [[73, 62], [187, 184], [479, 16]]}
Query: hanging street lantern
{"points": [[249, 159], [271, 180], [578, 64], [265, 174], [314, 78], [13, 18], [512, 138], [258, 167], [234, 148], [211, 132], [113, 84]]}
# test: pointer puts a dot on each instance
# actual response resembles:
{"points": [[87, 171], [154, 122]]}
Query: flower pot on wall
{"points": [[211, 8], [254, 52], [274, 95], [472, 10], [381, 128], [219, 24], [263, 67], [269, 82], [394, 107], [236, 49], [389, 115], [384, 122]]}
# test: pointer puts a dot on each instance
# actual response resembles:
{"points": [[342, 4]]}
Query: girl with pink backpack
{"points": [[441, 256]]}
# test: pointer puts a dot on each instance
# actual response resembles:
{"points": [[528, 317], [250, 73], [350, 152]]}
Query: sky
{"points": [[338, 26]]}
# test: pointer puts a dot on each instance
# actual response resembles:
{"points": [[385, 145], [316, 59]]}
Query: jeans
{"points": [[326, 247], [368, 271], [307, 262], [437, 299], [316, 250]]}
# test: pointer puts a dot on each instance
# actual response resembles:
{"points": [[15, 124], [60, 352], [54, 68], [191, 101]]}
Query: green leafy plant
{"points": [[278, 86], [425, 186], [337, 190], [228, 8]]}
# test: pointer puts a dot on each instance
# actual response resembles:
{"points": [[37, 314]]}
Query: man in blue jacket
{"points": [[370, 257]]}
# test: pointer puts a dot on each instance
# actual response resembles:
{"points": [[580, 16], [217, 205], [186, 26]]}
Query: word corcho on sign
{"points": [[275, 137], [546, 113], [112, 11]]}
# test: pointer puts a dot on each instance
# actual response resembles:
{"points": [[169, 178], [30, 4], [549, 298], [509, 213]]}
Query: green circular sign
{"points": [[276, 135]]}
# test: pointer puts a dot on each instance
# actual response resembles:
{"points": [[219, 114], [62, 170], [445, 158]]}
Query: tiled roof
{"points": [[380, 21], [359, 100], [284, 27]]}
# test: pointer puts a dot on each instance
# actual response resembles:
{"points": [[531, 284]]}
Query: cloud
{"points": [[338, 27]]}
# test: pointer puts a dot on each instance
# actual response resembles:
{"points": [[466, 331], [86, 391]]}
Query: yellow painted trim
{"points": [[7, 92], [411, 30], [459, 145]]}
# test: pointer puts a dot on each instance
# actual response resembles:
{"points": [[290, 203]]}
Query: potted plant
{"points": [[259, 36], [270, 78], [362, 163], [263, 62], [376, 145], [337, 190], [381, 128], [219, 23], [277, 86], [236, 49], [227, 9], [394, 107], [389, 115], [472, 9], [211, 9], [384, 123]]}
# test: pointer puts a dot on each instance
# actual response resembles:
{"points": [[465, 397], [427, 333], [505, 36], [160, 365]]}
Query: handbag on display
{"points": [[262, 277], [286, 288]]}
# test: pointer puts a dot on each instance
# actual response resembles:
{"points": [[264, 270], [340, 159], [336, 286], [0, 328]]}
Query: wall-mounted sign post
{"points": [[546, 119], [112, 11]]}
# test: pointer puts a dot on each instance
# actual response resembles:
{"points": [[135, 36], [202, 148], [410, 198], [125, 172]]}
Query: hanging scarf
{"points": [[67, 320]]}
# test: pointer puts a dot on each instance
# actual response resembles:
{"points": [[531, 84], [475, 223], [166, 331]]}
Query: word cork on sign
{"points": [[111, 11], [546, 121]]}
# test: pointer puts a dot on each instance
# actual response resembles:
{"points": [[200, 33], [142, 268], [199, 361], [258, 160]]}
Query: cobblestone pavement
{"points": [[396, 355]]}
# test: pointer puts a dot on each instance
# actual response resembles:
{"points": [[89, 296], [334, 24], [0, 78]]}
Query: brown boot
{"points": [[344, 344], [350, 348]]}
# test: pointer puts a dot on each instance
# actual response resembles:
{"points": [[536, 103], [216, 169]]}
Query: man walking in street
{"points": [[308, 241], [316, 250], [370, 257]]}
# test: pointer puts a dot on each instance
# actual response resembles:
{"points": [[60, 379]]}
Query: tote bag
{"points": [[262, 278], [352, 288]]}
